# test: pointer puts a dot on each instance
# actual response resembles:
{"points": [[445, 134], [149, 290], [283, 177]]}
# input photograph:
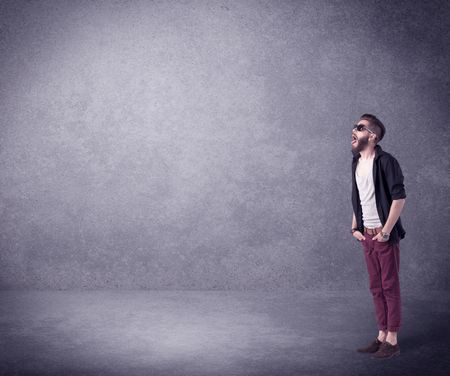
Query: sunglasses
{"points": [[362, 127]]}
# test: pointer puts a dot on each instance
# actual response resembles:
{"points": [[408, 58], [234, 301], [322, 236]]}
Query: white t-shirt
{"points": [[366, 189]]}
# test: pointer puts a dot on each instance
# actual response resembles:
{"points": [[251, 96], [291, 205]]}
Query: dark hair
{"points": [[376, 124]]}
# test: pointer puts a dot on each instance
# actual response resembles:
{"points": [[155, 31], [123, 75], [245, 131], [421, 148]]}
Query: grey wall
{"points": [[206, 145]]}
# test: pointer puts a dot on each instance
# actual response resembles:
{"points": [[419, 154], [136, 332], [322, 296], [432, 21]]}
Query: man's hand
{"points": [[379, 238], [359, 236]]}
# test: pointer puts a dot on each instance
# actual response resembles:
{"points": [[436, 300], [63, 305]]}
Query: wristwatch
{"points": [[354, 229], [385, 235]]}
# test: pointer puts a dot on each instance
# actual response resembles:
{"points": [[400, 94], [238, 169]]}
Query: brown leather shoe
{"points": [[387, 351], [373, 347]]}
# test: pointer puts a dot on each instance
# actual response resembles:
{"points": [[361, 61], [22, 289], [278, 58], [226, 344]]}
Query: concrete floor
{"points": [[214, 333]]}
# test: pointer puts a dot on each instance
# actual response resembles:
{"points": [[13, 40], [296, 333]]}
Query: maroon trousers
{"points": [[383, 265]]}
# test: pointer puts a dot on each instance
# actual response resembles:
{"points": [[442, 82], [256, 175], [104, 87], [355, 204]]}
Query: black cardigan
{"points": [[388, 182]]}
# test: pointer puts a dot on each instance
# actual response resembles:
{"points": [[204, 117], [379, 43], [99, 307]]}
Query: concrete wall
{"points": [[206, 145]]}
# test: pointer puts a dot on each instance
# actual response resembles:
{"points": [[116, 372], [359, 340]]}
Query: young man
{"points": [[378, 197]]}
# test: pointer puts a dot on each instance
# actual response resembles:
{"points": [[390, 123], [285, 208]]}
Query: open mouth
{"points": [[354, 139]]}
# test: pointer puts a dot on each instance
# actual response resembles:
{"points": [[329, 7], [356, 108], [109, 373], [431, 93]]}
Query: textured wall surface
{"points": [[206, 145]]}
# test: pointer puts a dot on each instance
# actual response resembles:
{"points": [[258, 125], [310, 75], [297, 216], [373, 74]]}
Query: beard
{"points": [[361, 144]]}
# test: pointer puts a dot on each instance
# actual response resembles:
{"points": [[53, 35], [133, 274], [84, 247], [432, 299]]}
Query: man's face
{"points": [[360, 139]]}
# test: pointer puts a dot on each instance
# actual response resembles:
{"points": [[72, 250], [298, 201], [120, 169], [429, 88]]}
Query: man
{"points": [[378, 198]]}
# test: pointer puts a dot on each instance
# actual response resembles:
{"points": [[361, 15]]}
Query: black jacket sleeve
{"points": [[394, 178]]}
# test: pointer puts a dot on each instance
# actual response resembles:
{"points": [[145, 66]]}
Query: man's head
{"points": [[370, 132], [375, 125]]}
